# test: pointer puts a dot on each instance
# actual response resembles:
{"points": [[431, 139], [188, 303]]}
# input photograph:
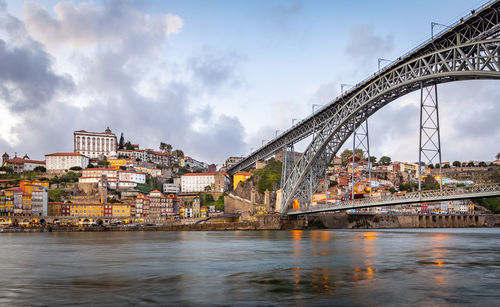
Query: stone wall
{"points": [[372, 221]]}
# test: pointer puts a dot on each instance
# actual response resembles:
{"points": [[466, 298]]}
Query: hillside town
{"points": [[107, 180]]}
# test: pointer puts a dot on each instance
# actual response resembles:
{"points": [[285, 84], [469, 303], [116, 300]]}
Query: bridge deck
{"points": [[479, 191]]}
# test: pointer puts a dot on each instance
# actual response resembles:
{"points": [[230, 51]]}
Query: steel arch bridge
{"points": [[468, 50]]}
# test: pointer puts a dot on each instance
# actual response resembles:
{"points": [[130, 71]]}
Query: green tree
{"points": [[169, 147], [457, 164], [7, 169], [123, 167], [482, 164], [431, 166], [90, 165], [55, 195], [470, 164], [40, 169], [385, 160], [121, 144], [75, 168], [208, 188], [129, 146], [345, 155], [269, 176], [373, 159], [498, 156], [179, 153], [437, 165]]}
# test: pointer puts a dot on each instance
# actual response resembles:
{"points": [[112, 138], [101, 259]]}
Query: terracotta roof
{"points": [[99, 169], [204, 174], [21, 160], [244, 173], [155, 191], [66, 154]]}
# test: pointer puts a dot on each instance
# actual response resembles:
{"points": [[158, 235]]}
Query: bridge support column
{"points": [[430, 139]]}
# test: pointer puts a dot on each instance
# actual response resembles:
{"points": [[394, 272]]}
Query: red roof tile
{"points": [[65, 154]]}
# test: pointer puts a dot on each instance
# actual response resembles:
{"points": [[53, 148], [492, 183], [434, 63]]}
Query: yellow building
{"points": [[54, 209], [121, 209], [86, 210], [116, 163], [26, 204], [29, 185], [239, 177]]}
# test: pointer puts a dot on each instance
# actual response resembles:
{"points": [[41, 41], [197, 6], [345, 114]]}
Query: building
{"points": [[95, 144], [20, 165], [171, 188], [230, 162], [39, 202], [115, 179], [142, 205], [189, 162], [200, 182], [157, 204], [89, 210], [65, 160], [239, 177]]}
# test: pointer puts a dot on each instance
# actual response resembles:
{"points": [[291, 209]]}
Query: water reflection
{"points": [[253, 268]]}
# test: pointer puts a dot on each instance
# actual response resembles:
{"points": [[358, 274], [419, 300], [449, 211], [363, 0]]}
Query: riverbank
{"points": [[276, 222]]}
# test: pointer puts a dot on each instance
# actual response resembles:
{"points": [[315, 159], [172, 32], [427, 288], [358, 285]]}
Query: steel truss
{"points": [[482, 24], [429, 145], [479, 60], [361, 141]]}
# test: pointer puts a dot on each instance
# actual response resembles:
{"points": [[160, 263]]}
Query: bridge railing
{"points": [[411, 196]]}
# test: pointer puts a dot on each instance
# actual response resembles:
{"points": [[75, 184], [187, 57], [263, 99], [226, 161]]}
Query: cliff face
{"points": [[245, 188]]}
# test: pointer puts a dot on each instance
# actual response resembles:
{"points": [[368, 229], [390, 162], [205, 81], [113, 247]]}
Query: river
{"points": [[274, 268]]}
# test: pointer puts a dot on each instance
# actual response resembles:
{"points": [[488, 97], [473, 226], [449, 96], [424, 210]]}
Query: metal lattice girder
{"points": [[474, 191], [479, 60], [480, 25]]}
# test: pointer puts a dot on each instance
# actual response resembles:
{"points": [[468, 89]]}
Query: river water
{"points": [[332, 267]]}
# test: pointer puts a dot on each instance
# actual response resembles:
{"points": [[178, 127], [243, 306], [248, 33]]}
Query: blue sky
{"points": [[229, 73]]}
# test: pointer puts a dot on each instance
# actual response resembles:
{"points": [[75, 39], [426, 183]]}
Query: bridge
{"points": [[469, 49]]}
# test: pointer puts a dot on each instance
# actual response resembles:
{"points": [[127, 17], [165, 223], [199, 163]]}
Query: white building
{"points": [[197, 182], [171, 188], [39, 202], [95, 144], [116, 179], [65, 160]]}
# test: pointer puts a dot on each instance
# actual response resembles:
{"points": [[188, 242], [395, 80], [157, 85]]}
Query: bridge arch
{"points": [[477, 60]]}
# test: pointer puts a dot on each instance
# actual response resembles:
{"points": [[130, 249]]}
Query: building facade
{"points": [[200, 182], [95, 144], [63, 161]]}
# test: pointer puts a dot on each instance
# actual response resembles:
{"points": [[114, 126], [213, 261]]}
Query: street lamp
{"points": [[382, 60], [316, 105], [433, 24], [344, 85]]}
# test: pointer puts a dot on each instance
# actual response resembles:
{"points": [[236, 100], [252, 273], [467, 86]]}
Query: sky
{"points": [[215, 78]]}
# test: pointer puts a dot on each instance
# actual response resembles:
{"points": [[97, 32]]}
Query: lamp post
{"points": [[344, 85], [380, 60], [433, 24]]}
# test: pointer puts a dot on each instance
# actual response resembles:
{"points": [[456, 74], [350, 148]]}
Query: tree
{"points": [[121, 144], [385, 160], [169, 147], [90, 165], [446, 165], [345, 155], [40, 169], [437, 165], [373, 159], [163, 146], [7, 169], [470, 164], [431, 166], [129, 146], [75, 168], [457, 164], [482, 164], [464, 164], [498, 156], [208, 188], [179, 153], [123, 167]]}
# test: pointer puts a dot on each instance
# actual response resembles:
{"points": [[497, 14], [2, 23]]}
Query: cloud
{"points": [[85, 24], [215, 69], [27, 79], [364, 44], [114, 53]]}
